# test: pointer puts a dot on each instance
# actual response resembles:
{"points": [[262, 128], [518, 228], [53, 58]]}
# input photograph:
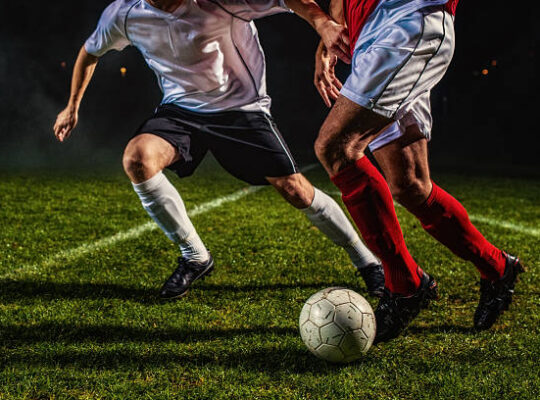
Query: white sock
{"points": [[328, 216], [163, 203]]}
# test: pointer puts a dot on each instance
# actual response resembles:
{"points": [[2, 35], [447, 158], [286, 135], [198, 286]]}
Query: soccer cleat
{"points": [[395, 312], [178, 284], [495, 297], [373, 276]]}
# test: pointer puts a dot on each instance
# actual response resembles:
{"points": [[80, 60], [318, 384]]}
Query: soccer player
{"points": [[211, 69], [400, 50]]}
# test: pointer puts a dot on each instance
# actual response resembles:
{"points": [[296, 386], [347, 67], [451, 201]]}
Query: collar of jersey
{"points": [[180, 8]]}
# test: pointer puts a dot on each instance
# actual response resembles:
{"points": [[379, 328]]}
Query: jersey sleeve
{"points": [[110, 33], [253, 9]]}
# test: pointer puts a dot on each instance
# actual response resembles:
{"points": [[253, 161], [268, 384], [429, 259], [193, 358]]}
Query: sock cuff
{"points": [[149, 185], [317, 204], [434, 195], [421, 210], [347, 179]]}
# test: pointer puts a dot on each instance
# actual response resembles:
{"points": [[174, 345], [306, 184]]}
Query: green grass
{"points": [[92, 327]]}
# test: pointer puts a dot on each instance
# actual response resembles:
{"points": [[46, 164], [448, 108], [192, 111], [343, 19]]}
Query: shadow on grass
{"points": [[116, 347], [264, 287], [268, 360], [111, 347], [466, 330], [67, 333], [11, 291]]}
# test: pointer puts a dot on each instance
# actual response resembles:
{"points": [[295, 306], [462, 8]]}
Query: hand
{"points": [[65, 123], [336, 40], [325, 80]]}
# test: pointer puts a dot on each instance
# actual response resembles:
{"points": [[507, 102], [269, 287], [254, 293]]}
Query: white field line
{"points": [[526, 230], [511, 226], [133, 233]]}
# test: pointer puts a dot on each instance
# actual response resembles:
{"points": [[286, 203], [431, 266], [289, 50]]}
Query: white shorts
{"points": [[393, 74]]}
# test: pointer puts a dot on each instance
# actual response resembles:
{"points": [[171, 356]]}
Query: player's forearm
{"points": [[336, 11], [321, 49], [333, 34], [310, 11], [82, 75]]}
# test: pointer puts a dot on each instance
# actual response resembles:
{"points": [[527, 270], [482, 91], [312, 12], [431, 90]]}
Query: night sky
{"points": [[484, 108]]}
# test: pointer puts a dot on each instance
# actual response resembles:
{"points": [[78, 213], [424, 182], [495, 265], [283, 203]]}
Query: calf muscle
{"points": [[406, 169], [295, 189]]}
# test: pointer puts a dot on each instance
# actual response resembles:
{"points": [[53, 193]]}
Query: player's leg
{"points": [[340, 147], [341, 144], [145, 157], [329, 218], [251, 148], [405, 165], [400, 65]]}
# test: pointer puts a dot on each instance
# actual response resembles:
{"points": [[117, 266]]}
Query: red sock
{"points": [[444, 218], [368, 199]]}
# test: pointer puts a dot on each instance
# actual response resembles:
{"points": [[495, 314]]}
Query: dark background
{"points": [[482, 122]]}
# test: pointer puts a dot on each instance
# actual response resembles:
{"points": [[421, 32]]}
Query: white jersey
{"points": [[206, 54]]}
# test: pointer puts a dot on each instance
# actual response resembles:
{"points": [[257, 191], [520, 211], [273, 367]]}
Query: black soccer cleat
{"points": [[178, 284], [395, 312], [496, 297], [373, 276]]}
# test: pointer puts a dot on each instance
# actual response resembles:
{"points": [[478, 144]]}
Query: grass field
{"points": [[79, 316]]}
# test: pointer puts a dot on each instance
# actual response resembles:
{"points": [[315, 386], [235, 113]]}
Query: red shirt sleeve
{"points": [[451, 6], [356, 14]]}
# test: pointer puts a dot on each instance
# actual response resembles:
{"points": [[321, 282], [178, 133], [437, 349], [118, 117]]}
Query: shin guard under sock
{"points": [[328, 216], [163, 203], [444, 218], [368, 199]]}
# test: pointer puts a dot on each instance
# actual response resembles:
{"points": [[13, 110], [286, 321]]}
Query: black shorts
{"points": [[246, 144]]}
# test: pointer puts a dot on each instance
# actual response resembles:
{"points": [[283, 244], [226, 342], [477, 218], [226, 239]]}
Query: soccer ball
{"points": [[337, 325]]}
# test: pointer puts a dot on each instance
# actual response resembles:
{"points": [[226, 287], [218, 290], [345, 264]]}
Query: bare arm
{"points": [[333, 34], [82, 75], [325, 79], [336, 11]]}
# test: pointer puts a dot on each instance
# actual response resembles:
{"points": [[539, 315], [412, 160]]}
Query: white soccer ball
{"points": [[337, 325]]}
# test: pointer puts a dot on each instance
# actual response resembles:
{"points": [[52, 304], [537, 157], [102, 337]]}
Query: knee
{"points": [[319, 147], [138, 162], [322, 148], [335, 149], [410, 192], [291, 188], [330, 151]]}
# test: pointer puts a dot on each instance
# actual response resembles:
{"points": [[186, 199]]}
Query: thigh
{"points": [[419, 115], [345, 134], [151, 149], [171, 125], [404, 162]]}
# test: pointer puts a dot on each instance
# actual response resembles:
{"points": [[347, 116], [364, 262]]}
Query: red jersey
{"points": [[451, 6], [357, 13]]}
